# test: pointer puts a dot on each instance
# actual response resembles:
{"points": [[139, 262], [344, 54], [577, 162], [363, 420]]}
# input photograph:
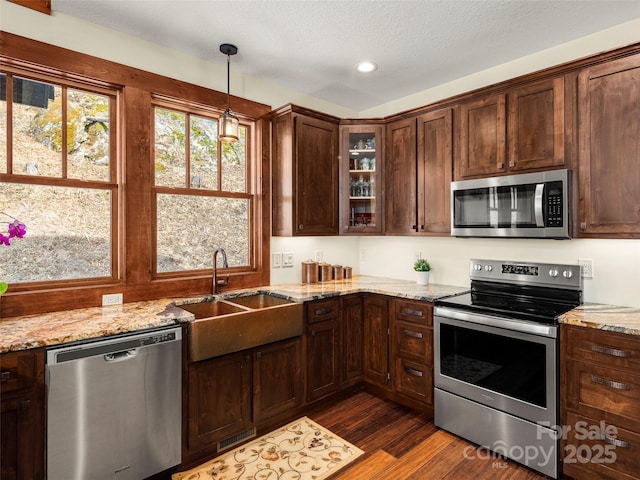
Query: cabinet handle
{"points": [[412, 371], [323, 311], [614, 352], [512, 163], [26, 404], [500, 165], [300, 227], [616, 442], [610, 383], [421, 227], [313, 333], [6, 376], [409, 333], [414, 227], [258, 354], [413, 313]]}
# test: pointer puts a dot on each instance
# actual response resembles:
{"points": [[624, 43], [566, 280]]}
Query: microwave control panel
{"points": [[554, 204]]}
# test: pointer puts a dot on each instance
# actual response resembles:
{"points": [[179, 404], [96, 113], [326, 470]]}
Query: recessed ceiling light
{"points": [[366, 67]]}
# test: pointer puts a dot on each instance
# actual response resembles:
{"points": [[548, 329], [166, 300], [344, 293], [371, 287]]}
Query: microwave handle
{"points": [[538, 199]]}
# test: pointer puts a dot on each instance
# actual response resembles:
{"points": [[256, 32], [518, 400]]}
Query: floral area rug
{"points": [[301, 450]]}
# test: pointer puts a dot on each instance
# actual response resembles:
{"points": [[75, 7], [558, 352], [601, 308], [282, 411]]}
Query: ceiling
{"points": [[312, 46]]}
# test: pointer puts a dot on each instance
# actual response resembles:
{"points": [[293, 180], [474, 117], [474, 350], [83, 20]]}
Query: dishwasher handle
{"points": [[120, 356]]}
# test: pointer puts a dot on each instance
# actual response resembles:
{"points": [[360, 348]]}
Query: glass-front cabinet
{"points": [[361, 175]]}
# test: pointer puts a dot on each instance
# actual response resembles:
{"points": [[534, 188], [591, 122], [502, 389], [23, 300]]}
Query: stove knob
{"points": [[477, 267], [488, 268], [567, 274], [553, 272]]}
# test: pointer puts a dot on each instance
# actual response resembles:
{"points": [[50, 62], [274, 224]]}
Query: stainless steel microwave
{"points": [[531, 205]]}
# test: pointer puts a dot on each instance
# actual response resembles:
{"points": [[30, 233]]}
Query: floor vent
{"points": [[236, 439]]}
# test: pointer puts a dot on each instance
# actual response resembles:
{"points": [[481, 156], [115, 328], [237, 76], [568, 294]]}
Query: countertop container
{"points": [[324, 272], [347, 272], [336, 272], [309, 271]]}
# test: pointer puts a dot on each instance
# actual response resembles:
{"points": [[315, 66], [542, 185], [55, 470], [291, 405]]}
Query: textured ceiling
{"points": [[312, 46]]}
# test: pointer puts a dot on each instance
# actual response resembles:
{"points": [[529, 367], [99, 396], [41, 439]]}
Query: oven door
{"points": [[506, 364]]}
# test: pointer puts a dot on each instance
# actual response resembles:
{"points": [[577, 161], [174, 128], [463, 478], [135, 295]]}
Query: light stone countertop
{"points": [[611, 318], [21, 333], [38, 330]]}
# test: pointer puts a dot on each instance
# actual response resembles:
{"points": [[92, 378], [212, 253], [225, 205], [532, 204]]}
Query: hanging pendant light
{"points": [[229, 122]]}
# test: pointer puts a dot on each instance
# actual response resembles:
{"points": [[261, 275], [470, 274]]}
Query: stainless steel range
{"points": [[496, 358]]}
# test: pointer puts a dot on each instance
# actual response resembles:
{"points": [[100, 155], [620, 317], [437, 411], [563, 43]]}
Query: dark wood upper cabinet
{"points": [[609, 150], [435, 168], [520, 130], [401, 177], [482, 137], [418, 173], [305, 173], [535, 130]]}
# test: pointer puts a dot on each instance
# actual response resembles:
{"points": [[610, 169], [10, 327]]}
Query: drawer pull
{"points": [[323, 311], [413, 313], [409, 333], [616, 442], [414, 372], [614, 352], [6, 376], [610, 383]]}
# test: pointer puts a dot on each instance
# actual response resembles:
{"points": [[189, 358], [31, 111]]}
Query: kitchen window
{"points": [[58, 175], [202, 190]]}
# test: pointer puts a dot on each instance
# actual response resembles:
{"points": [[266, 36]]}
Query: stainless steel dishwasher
{"points": [[114, 406]]}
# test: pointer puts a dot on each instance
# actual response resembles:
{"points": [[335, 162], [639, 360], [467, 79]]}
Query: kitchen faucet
{"points": [[225, 264]]}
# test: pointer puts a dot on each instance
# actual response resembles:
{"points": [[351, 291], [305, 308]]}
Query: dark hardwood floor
{"points": [[400, 444]]}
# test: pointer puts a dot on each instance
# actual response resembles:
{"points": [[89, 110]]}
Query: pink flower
{"points": [[17, 229], [5, 240]]}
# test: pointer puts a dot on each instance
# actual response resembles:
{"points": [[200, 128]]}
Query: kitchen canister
{"points": [[336, 272], [309, 271], [324, 272], [347, 272]]}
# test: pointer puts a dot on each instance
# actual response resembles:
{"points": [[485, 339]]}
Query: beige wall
{"points": [[616, 262]]}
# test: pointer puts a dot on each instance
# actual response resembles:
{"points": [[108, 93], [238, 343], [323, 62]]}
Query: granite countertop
{"points": [[611, 318], [30, 331]]}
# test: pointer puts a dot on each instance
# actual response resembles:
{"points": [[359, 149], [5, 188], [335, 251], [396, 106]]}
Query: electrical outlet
{"points": [[276, 260], [319, 255], [363, 255], [111, 299], [287, 260], [586, 268]]}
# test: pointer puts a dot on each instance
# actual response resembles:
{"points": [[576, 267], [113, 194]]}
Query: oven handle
{"points": [[487, 320]]}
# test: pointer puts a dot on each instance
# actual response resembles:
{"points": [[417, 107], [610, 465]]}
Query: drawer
{"points": [[413, 341], [417, 312], [606, 450], [414, 380], [323, 310], [20, 370], [604, 392], [608, 348]]}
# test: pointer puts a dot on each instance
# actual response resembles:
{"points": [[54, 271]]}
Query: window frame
{"points": [[203, 111], [113, 184]]}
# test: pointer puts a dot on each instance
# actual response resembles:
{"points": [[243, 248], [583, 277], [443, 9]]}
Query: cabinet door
{"points": [[401, 177], [609, 153], [361, 199], [536, 125], [482, 137], [376, 334], [435, 165], [352, 363], [219, 399], [19, 439], [316, 178], [277, 378], [322, 358]]}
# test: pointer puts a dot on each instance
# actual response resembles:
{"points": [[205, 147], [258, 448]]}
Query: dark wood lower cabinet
{"points": [[277, 379], [376, 334], [352, 344], [22, 415], [219, 399], [322, 358]]}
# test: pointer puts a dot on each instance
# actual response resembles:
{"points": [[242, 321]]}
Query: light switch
{"points": [[276, 260], [287, 259]]}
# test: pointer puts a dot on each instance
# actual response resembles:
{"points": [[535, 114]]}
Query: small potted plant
{"points": [[422, 268]]}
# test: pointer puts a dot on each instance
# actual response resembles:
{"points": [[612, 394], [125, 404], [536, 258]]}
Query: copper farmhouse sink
{"points": [[234, 324]]}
